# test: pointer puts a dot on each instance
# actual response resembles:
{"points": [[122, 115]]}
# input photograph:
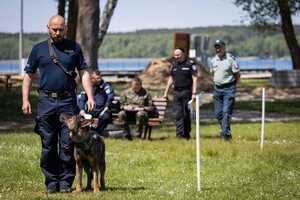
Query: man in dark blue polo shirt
{"points": [[183, 75], [56, 96]]}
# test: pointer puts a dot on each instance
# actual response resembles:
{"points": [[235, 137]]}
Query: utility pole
{"points": [[21, 38]]}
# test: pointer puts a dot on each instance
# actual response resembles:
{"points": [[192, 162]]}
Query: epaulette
{"points": [[231, 56], [82, 92]]}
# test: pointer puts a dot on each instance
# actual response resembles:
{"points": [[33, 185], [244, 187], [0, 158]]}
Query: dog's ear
{"points": [[64, 118]]}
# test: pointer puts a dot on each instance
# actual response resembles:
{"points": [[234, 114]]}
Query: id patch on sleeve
{"points": [[108, 90], [194, 67]]}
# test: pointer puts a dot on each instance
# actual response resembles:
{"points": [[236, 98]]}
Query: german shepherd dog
{"points": [[89, 151]]}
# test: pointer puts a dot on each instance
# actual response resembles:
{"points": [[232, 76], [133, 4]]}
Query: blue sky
{"points": [[131, 15]]}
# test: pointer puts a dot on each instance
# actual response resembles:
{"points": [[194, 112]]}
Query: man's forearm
{"points": [[26, 87], [194, 88], [86, 84], [170, 81]]}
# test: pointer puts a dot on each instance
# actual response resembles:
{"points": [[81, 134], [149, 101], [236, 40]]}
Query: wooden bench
{"points": [[160, 107], [6, 78]]}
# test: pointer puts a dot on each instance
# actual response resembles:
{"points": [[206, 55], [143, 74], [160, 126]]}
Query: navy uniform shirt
{"points": [[52, 78], [103, 96], [183, 73]]}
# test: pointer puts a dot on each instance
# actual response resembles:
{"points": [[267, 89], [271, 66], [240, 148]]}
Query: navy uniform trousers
{"points": [[103, 121], [57, 156], [183, 117]]}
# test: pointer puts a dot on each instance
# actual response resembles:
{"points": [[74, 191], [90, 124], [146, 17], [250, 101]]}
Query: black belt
{"points": [[182, 88], [226, 85], [56, 95]]}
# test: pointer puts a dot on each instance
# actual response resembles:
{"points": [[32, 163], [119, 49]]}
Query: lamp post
{"points": [[21, 38]]}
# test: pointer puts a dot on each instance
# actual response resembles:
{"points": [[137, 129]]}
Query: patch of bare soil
{"points": [[245, 93], [156, 75]]}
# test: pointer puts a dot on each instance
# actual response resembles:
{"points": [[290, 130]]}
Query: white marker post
{"points": [[262, 131], [198, 141]]}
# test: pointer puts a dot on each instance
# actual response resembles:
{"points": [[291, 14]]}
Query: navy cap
{"points": [[219, 43]]}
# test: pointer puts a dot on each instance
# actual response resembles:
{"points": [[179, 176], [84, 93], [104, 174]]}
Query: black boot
{"points": [[127, 132]]}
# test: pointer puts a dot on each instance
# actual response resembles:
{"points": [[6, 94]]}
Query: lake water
{"points": [[128, 64]]}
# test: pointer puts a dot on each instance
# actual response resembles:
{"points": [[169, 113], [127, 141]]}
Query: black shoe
{"points": [[127, 132], [187, 136], [51, 190], [226, 138], [65, 189], [180, 137], [128, 137]]}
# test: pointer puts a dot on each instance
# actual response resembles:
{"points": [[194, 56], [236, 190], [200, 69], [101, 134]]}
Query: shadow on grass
{"points": [[158, 139], [19, 129], [132, 189], [210, 136]]}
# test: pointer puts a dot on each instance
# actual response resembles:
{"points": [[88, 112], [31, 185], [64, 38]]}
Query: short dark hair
{"points": [[96, 72], [181, 49], [137, 80]]}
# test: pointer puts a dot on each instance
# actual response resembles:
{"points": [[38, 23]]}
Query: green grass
{"points": [[165, 167]]}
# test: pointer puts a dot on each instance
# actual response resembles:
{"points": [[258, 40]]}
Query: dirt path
{"points": [[205, 116]]}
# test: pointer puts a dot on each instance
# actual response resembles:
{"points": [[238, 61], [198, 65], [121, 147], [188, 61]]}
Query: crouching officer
{"points": [[183, 74], [56, 60], [103, 96], [226, 74]]}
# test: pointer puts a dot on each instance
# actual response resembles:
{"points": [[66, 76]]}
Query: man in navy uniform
{"points": [[103, 96], [183, 75], [226, 74], [56, 60]]}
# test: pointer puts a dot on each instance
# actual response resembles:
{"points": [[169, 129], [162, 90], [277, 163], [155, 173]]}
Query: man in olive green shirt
{"points": [[226, 75], [136, 101]]}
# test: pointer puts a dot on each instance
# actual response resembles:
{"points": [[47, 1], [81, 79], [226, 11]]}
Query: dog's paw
{"points": [[96, 190], [78, 189]]}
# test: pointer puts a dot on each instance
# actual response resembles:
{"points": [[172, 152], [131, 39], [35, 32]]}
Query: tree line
{"points": [[242, 41]]}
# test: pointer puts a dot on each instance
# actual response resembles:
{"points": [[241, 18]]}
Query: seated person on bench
{"points": [[103, 96], [135, 102]]}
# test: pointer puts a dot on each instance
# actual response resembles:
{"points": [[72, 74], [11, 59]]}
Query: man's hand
{"points": [[90, 104], [82, 113], [128, 107], [194, 97], [139, 108], [26, 108]]}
